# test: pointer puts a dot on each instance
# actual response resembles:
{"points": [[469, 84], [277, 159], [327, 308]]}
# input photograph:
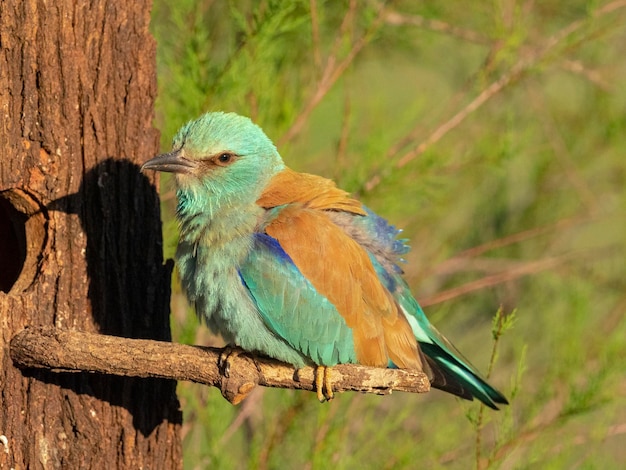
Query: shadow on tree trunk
{"points": [[129, 292]]}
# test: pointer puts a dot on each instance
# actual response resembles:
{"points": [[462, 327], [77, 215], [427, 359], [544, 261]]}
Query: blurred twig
{"points": [[321, 435], [561, 152], [468, 260], [525, 63], [537, 431], [342, 144], [523, 269], [515, 238], [334, 67], [398, 19], [578, 68], [497, 86], [281, 426], [513, 272], [501, 323], [315, 33], [249, 407]]}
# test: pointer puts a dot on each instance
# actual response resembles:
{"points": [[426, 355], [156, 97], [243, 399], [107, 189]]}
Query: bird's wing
{"points": [[310, 279], [452, 371], [292, 308], [338, 260], [317, 288]]}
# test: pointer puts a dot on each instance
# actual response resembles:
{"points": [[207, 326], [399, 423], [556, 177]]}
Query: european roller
{"points": [[287, 265]]}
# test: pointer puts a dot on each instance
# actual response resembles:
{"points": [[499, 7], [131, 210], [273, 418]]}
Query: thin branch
{"points": [[561, 152], [73, 351], [249, 407], [398, 19], [499, 327], [493, 89], [515, 272], [333, 70], [562, 224], [315, 32], [469, 259], [593, 76], [517, 70], [524, 269], [342, 145], [525, 438], [276, 435]]}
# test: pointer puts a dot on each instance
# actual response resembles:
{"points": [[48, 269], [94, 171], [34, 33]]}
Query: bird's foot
{"points": [[236, 382], [324, 384], [228, 353]]}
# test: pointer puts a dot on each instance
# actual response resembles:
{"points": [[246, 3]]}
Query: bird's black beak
{"points": [[172, 162]]}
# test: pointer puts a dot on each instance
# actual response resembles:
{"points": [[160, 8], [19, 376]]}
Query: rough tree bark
{"points": [[80, 235]]}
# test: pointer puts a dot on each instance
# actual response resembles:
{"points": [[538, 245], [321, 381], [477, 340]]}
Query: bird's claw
{"points": [[228, 353], [324, 384]]}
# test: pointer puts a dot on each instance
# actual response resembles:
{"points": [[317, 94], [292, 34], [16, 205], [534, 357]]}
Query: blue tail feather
{"points": [[454, 376]]}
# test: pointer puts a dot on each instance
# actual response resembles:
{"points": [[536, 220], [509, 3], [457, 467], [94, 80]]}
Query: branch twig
{"points": [[74, 351], [525, 63], [400, 19], [518, 271], [334, 69]]}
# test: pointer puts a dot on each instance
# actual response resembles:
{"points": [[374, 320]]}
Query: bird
{"points": [[287, 265]]}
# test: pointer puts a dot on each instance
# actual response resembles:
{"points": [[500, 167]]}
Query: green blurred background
{"points": [[494, 133]]}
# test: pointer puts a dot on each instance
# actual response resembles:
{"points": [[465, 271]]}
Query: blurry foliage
{"points": [[494, 133]]}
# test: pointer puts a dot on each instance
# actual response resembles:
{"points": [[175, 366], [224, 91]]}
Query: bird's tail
{"points": [[452, 373]]}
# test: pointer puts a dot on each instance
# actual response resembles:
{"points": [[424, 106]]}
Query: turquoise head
{"points": [[220, 158]]}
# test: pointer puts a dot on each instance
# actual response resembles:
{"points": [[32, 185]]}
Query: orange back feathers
{"points": [[338, 267], [313, 191]]}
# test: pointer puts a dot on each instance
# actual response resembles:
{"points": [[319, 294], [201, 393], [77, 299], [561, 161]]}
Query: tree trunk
{"points": [[80, 234]]}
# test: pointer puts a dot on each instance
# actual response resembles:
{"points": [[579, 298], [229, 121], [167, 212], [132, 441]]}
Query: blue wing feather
{"points": [[292, 308]]}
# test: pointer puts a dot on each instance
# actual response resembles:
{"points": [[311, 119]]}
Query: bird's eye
{"points": [[224, 158], [221, 159]]}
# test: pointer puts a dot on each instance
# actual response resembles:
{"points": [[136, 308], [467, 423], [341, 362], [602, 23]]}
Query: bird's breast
{"points": [[210, 249]]}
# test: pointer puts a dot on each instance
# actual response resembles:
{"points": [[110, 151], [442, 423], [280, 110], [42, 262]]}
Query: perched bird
{"points": [[288, 265]]}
